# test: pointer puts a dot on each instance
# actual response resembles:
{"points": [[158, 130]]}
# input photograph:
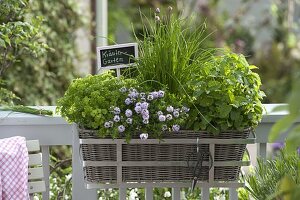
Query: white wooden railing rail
{"points": [[51, 131]]}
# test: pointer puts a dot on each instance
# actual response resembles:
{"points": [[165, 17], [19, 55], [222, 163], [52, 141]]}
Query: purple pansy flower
{"points": [[116, 118], [121, 128], [129, 120], [162, 118], [176, 114], [144, 105], [155, 95], [161, 93], [185, 109], [123, 89], [169, 117], [175, 128], [138, 109], [164, 127], [128, 101], [159, 113], [128, 113], [117, 110], [144, 136], [143, 95], [170, 109], [146, 121], [150, 97], [107, 125]]}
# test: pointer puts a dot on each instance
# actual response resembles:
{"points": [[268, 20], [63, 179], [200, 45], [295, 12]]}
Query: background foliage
{"points": [[40, 80]]}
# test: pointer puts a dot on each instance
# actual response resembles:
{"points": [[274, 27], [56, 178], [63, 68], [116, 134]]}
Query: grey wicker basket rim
{"points": [[250, 140], [189, 131], [231, 184], [161, 163]]}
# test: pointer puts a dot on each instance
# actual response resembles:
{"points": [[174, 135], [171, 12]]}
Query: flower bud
{"points": [[157, 18]]}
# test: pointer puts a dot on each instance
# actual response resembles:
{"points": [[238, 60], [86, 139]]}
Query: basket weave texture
{"points": [[162, 152]]}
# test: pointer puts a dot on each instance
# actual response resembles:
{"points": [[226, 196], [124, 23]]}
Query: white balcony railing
{"points": [[55, 130]]}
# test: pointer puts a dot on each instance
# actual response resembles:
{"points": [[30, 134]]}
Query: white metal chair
{"points": [[36, 184]]}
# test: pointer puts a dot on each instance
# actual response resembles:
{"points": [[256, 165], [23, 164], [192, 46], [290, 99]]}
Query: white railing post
{"points": [[46, 167], [262, 150], [122, 193], [101, 22], [205, 193], [176, 193], [233, 195], [149, 193]]}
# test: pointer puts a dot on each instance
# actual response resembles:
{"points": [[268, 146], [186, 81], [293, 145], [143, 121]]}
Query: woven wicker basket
{"points": [[161, 161]]}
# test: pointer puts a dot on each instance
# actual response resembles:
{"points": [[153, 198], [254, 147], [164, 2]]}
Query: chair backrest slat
{"points": [[36, 183], [37, 186], [35, 173], [35, 159]]}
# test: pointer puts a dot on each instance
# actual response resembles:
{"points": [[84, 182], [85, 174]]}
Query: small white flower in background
{"points": [[169, 117], [121, 128], [128, 113], [157, 10], [144, 136], [107, 125], [35, 198], [176, 127], [129, 120], [164, 127], [167, 194], [144, 105], [116, 118], [157, 18], [138, 109], [176, 114], [170, 109], [161, 93], [128, 101], [117, 110], [123, 89], [111, 123], [155, 95], [146, 121], [162, 118], [150, 97]]}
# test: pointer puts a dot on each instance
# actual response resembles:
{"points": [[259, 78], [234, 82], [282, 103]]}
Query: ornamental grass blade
{"points": [[281, 126], [293, 140]]}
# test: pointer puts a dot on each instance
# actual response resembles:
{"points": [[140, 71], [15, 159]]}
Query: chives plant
{"points": [[170, 51]]}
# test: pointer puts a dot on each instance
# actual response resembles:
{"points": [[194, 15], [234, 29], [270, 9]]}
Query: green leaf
{"points": [[281, 126], [293, 139], [294, 105], [224, 110], [2, 43], [253, 67]]}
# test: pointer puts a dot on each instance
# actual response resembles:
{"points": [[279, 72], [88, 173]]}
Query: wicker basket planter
{"points": [[108, 161]]}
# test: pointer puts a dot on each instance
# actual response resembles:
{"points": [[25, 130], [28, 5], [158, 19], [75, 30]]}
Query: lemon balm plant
{"points": [[227, 93]]}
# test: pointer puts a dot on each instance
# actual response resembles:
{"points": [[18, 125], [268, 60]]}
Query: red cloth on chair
{"points": [[13, 169]]}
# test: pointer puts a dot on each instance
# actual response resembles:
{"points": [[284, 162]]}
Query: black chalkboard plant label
{"points": [[117, 56]]}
